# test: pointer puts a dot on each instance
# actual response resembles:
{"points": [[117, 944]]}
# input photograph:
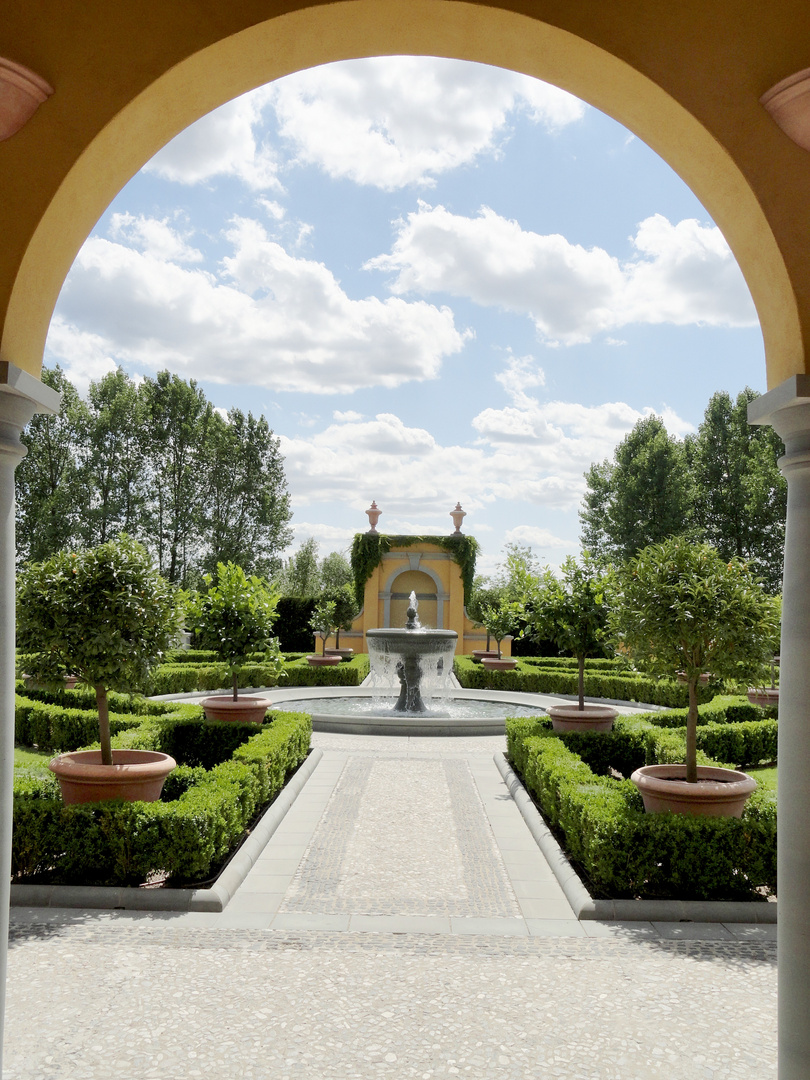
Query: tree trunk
{"points": [[337, 638], [489, 638], [581, 682], [104, 725], [235, 685], [691, 732]]}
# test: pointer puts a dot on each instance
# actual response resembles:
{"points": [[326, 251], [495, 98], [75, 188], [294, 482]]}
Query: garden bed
{"points": [[579, 784], [226, 777]]}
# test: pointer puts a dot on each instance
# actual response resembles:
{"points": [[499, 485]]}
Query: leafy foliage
{"points": [[103, 614], [368, 550], [572, 611], [235, 618], [680, 607], [324, 620], [500, 619]]}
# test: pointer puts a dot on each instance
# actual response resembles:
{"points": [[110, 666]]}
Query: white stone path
{"points": [[403, 923]]}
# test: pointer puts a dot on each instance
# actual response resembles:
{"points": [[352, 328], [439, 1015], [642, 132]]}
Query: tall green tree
{"points": [[741, 497], [178, 417], [50, 495], [301, 575], [113, 470], [336, 571], [643, 496], [246, 511]]}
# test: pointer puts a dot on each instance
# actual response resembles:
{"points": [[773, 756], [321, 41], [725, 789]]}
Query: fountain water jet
{"points": [[411, 658]]}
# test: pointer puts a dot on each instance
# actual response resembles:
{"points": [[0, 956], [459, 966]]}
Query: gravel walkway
{"points": [[401, 923]]}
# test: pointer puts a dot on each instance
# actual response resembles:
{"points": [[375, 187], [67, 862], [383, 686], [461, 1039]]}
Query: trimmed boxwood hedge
{"points": [[225, 776], [530, 677], [600, 820], [185, 678]]}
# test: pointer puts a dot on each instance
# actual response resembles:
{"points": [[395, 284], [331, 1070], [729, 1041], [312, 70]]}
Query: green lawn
{"points": [[26, 758], [764, 776]]}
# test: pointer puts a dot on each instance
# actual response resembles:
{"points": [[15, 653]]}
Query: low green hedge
{"points": [[530, 678], [624, 852], [348, 673], [200, 819], [185, 678], [569, 663]]}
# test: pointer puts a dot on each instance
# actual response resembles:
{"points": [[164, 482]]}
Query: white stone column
{"points": [[21, 395], [787, 409]]}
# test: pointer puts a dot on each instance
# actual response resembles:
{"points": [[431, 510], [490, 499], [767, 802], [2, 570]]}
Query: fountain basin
{"points": [[361, 711]]}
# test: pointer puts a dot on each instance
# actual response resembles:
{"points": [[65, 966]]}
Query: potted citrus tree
{"points": [[572, 611], [499, 619], [680, 606], [235, 617], [346, 611], [322, 624], [107, 615]]}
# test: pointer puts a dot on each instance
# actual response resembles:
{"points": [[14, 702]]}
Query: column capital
{"points": [[21, 395], [787, 409]]}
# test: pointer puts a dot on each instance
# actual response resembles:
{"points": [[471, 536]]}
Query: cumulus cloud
{"points": [[529, 451], [266, 318], [223, 143], [384, 121], [536, 537], [398, 120], [153, 236], [682, 274]]}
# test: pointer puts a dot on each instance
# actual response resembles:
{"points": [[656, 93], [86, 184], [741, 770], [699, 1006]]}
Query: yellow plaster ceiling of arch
{"points": [[353, 28]]}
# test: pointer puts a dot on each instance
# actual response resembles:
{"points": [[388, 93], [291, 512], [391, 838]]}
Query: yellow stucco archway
{"points": [[686, 80]]}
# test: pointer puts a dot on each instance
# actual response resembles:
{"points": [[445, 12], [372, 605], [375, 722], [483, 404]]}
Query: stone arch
{"points": [[656, 76]]}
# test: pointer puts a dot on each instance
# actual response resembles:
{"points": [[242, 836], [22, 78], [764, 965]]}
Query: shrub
{"points": [[624, 852]]}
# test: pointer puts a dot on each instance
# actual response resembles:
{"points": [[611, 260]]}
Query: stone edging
{"points": [[215, 898], [585, 907]]}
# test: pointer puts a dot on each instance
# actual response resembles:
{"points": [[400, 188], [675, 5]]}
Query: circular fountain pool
{"points": [[362, 711]]}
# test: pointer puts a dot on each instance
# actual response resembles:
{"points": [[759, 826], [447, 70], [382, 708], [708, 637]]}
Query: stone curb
{"points": [[583, 904], [215, 898]]}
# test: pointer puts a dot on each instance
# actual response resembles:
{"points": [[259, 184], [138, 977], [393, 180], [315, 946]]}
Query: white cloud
{"points": [[683, 274], [527, 452], [536, 537], [223, 143], [153, 237], [398, 120], [267, 319], [346, 417]]}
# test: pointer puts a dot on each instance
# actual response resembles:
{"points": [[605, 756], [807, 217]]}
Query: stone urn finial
{"points": [[458, 516], [22, 91], [373, 516]]}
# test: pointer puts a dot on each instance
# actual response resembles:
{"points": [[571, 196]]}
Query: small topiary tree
{"points": [[680, 606], [323, 621], [346, 610], [235, 618], [572, 611], [104, 614], [500, 619]]}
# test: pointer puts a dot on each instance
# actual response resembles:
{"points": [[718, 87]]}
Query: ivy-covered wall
{"points": [[369, 548]]}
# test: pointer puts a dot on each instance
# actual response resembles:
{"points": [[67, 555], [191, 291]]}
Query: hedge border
{"points": [[234, 770], [623, 851]]}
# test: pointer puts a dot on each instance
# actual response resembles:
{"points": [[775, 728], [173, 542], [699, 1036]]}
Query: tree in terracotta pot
{"points": [[346, 611], [680, 606], [107, 615], [235, 617], [500, 619], [572, 611], [322, 624]]}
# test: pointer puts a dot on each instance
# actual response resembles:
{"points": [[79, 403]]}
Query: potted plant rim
{"points": [[680, 606], [107, 615], [572, 611], [235, 618]]}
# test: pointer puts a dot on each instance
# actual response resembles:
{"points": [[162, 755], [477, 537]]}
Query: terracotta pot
{"points": [[718, 792], [765, 696], [484, 654], [329, 660], [135, 775], [70, 682], [344, 654], [492, 663], [702, 679], [591, 718], [245, 710]]}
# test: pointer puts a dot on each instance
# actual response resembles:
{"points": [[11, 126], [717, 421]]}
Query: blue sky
{"points": [[439, 281]]}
